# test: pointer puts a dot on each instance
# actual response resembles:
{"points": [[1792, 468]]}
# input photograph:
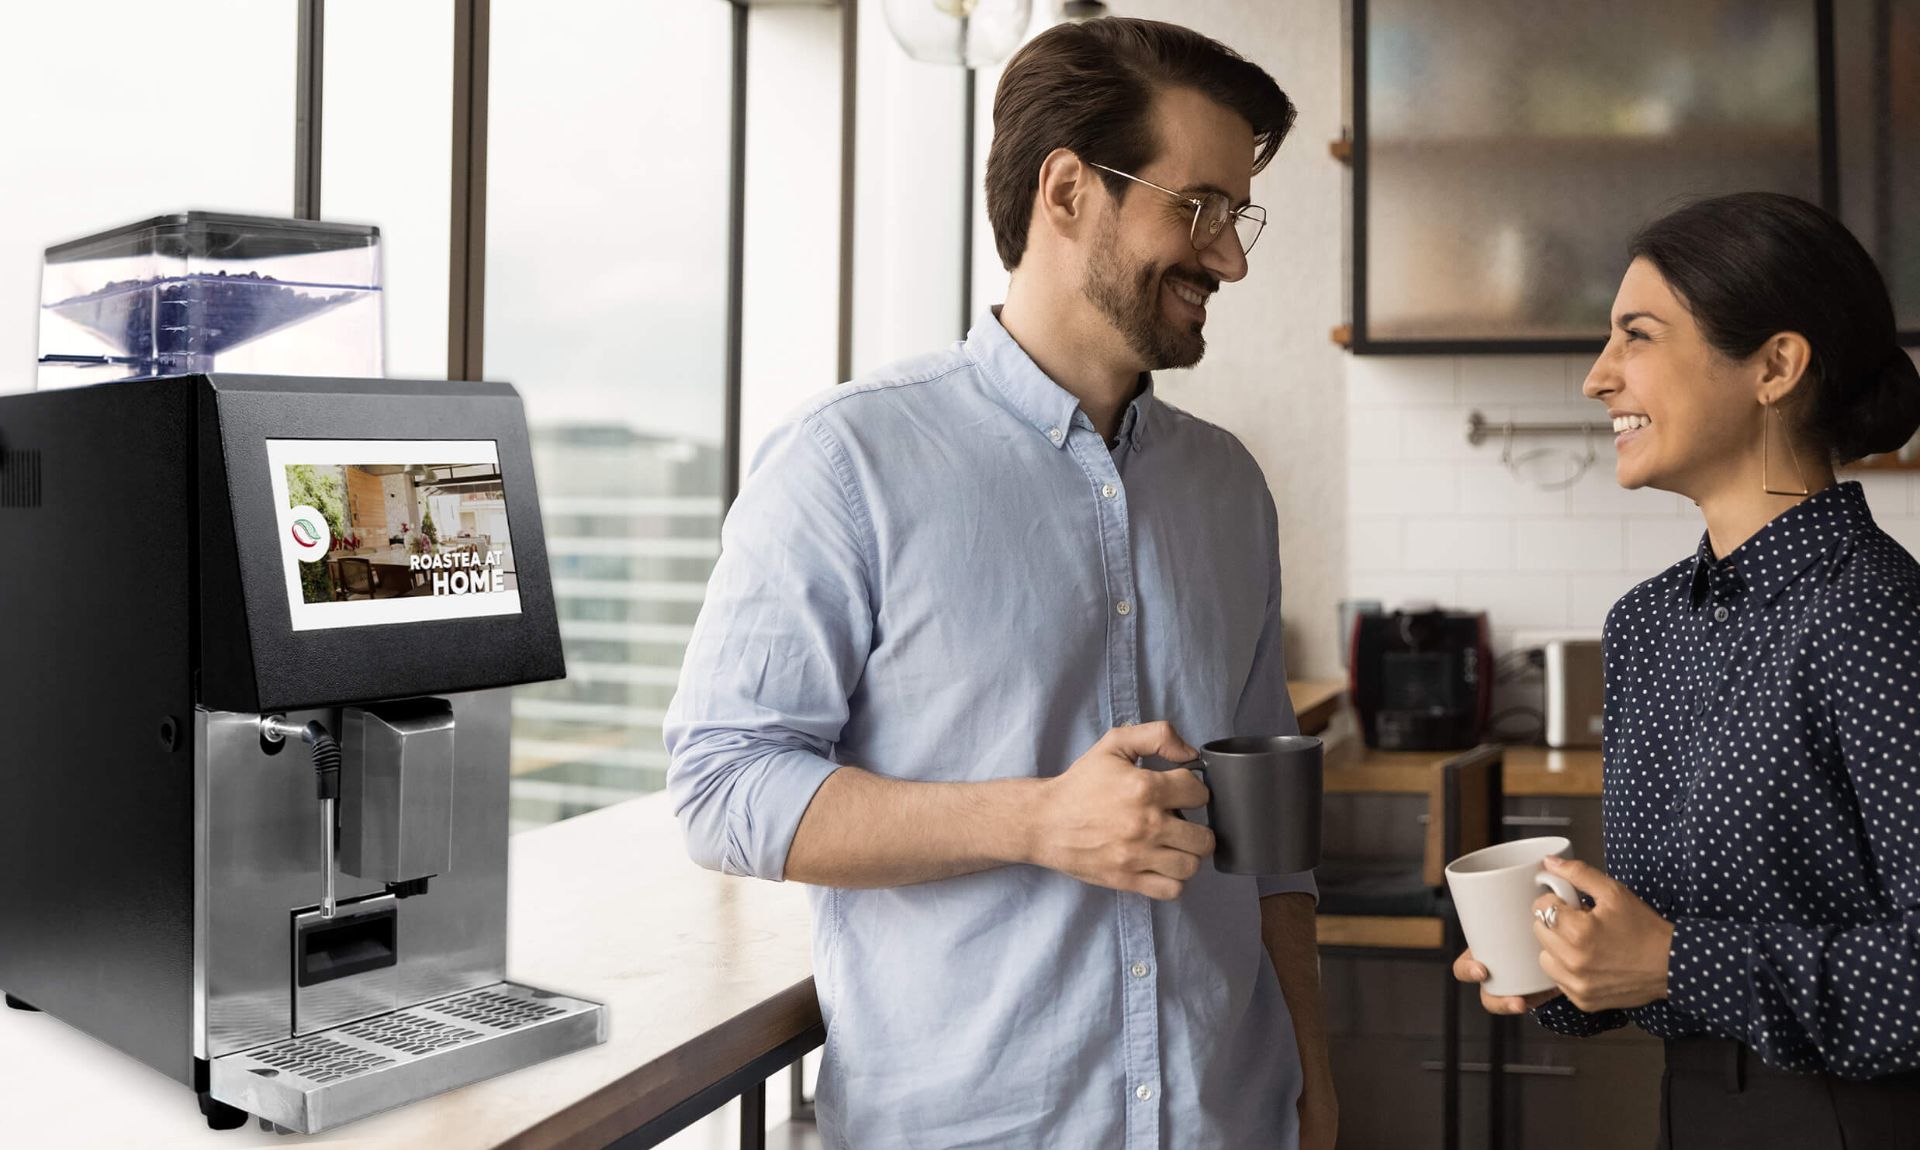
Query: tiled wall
{"points": [[1430, 517]]}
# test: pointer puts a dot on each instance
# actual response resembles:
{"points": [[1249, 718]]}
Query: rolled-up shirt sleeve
{"points": [[1265, 706], [780, 644]]}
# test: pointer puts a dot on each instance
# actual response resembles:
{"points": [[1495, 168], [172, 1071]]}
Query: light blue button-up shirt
{"points": [[942, 573]]}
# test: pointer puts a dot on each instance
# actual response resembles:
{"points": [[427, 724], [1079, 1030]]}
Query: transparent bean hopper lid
{"points": [[207, 291]]}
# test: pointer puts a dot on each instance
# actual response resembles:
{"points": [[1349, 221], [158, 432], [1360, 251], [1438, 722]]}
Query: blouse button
{"points": [[1719, 614]]}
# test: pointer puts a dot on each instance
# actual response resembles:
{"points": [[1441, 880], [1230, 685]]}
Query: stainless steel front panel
{"points": [[325, 1005], [322, 1081], [258, 865]]}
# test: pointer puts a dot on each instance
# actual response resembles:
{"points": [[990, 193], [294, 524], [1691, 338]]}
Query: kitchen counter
{"points": [[703, 975], [1316, 701], [1352, 768]]}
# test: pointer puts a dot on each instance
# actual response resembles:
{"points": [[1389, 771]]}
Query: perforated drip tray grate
{"points": [[318, 1060], [323, 1080], [502, 1011]]}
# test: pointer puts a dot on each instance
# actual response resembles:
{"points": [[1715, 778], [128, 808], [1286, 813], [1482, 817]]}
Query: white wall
{"points": [[1271, 374], [791, 290], [909, 131]]}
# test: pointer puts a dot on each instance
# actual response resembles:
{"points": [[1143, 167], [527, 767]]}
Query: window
{"points": [[386, 157], [606, 290], [120, 110]]}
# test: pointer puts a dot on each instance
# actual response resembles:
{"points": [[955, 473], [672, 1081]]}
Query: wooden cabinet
{"points": [[1385, 1011]]}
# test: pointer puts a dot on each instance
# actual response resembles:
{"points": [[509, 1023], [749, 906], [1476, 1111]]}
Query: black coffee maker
{"points": [[1422, 680]]}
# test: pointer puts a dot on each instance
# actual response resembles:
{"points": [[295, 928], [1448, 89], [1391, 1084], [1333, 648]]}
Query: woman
{"points": [[1762, 745]]}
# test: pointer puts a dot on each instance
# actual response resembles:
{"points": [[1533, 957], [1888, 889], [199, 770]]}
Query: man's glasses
{"points": [[1211, 213]]}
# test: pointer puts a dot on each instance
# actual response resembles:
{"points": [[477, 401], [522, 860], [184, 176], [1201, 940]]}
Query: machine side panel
{"points": [[96, 804], [226, 653]]}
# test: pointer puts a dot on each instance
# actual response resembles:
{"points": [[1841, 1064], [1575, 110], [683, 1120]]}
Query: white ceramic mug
{"points": [[1493, 892]]}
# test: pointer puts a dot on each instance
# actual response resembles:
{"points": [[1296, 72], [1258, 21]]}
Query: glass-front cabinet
{"points": [[1504, 151]]}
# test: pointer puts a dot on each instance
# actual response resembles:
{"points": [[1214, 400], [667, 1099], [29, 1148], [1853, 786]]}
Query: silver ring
{"points": [[1546, 915]]}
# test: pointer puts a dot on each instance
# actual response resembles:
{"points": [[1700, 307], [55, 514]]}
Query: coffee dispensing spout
{"points": [[326, 770]]}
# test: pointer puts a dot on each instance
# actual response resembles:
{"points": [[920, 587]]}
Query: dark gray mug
{"points": [[1265, 804]]}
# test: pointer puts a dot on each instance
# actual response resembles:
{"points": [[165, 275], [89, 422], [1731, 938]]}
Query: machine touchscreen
{"points": [[392, 531]]}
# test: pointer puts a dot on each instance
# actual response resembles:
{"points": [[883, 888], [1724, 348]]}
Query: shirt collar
{"points": [[1043, 404], [1768, 563]]}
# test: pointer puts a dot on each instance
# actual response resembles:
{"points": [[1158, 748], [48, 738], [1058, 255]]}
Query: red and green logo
{"points": [[308, 529]]}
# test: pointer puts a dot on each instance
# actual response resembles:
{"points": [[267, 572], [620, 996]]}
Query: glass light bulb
{"points": [[975, 33]]}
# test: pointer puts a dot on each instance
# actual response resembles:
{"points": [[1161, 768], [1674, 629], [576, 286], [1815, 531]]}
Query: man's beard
{"points": [[1130, 298]]}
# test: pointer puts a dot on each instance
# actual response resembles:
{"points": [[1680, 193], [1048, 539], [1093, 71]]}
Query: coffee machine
{"points": [[1421, 678], [255, 638]]}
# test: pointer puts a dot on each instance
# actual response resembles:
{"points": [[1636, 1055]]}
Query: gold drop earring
{"points": [[1767, 426]]}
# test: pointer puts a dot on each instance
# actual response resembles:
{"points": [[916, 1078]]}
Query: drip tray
{"points": [[333, 1077]]}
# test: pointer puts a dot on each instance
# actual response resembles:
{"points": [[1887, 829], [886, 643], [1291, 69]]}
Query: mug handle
{"points": [[1560, 887]]}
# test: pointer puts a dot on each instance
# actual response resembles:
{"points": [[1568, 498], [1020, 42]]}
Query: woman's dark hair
{"points": [[1753, 265], [1089, 88]]}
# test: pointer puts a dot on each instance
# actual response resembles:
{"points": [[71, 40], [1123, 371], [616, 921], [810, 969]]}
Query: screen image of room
{"points": [[403, 530]]}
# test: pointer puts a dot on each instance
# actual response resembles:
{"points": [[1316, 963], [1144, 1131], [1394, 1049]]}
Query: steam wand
{"points": [[326, 770]]}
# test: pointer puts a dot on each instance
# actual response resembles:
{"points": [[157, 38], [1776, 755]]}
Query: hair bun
{"points": [[1884, 411]]}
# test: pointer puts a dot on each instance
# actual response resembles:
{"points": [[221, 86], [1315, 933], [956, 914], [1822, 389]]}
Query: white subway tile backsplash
{"points": [[1373, 436], [1401, 489], [1375, 544], [1400, 382], [1577, 367], [1588, 543], [1591, 596], [1444, 543], [1599, 493], [1515, 601], [1401, 589], [1653, 545], [1505, 380], [1487, 487], [1437, 433], [1432, 518]]}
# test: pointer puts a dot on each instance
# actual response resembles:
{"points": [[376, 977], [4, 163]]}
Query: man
{"points": [[941, 586]]}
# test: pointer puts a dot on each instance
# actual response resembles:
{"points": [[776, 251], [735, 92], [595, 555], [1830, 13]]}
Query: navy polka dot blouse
{"points": [[1762, 750]]}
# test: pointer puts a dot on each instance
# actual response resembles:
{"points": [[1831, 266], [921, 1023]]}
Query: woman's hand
{"points": [[1608, 958], [1467, 969]]}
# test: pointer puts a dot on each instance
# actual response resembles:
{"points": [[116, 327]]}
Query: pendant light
{"points": [[971, 33]]}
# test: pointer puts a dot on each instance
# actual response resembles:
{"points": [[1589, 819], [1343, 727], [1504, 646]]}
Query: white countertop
{"points": [[605, 906]]}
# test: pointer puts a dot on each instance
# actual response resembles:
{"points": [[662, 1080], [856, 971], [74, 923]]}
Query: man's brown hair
{"points": [[1090, 87]]}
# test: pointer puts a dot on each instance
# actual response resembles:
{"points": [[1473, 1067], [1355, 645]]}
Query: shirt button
{"points": [[1144, 1093], [1055, 434], [1124, 607], [1138, 970], [1719, 614], [1107, 491]]}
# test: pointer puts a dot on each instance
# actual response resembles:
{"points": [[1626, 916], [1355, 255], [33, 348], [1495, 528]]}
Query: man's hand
{"points": [[1109, 822]]}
